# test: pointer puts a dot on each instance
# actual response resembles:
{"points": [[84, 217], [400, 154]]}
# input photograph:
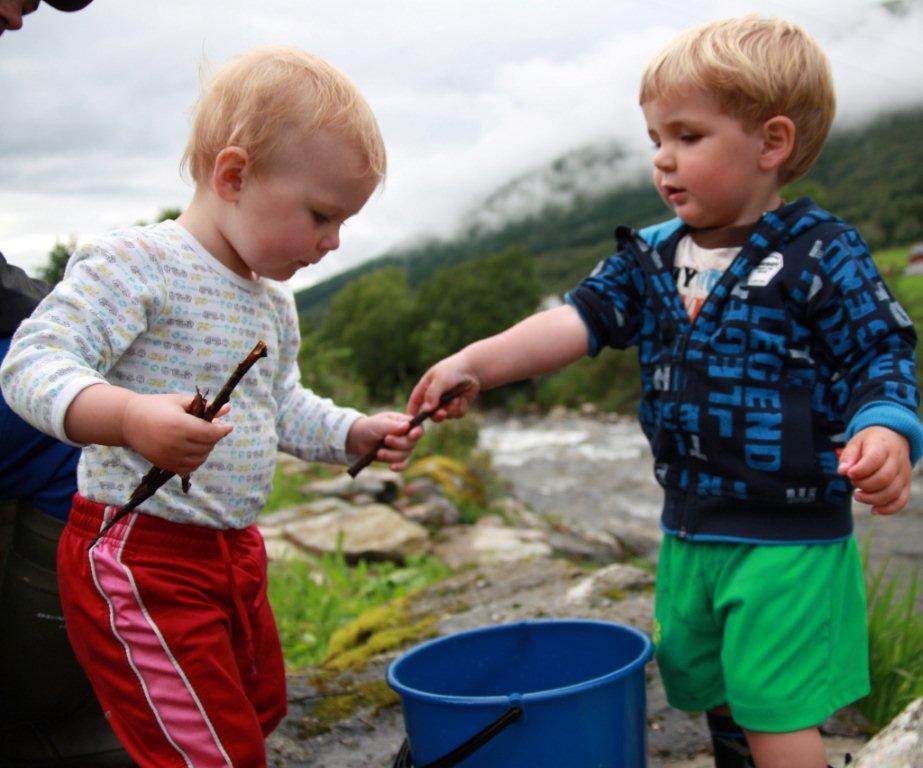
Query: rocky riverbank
{"points": [[595, 472], [529, 561]]}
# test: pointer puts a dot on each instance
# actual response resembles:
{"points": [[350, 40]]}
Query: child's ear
{"points": [[778, 142], [229, 172]]}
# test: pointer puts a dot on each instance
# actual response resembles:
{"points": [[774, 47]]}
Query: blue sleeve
{"points": [[869, 339], [896, 417], [34, 466], [610, 303]]}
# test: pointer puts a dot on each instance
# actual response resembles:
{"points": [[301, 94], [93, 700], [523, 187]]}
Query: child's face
{"points": [[290, 216], [707, 163]]}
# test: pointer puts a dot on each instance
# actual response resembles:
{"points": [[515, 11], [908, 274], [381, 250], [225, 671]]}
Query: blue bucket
{"points": [[536, 694]]}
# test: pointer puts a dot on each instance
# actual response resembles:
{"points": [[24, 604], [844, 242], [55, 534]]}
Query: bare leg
{"points": [[796, 749]]}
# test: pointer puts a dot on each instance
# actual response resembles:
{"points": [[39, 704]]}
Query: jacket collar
{"points": [[767, 234]]}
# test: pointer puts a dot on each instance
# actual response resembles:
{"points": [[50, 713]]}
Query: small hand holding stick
{"points": [[200, 408], [447, 397]]}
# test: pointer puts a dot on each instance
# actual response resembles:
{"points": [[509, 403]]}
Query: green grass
{"points": [[895, 642], [311, 599]]}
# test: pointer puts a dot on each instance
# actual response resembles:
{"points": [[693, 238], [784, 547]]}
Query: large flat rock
{"points": [[373, 532]]}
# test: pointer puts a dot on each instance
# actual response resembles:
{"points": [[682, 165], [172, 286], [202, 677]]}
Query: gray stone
{"points": [[278, 548], [490, 521], [272, 525], [437, 512], [421, 488], [324, 506], [339, 485], [373, 532], [601, 548], [515, 512], [282, 517], [637, 539], [900, 745], [463, 545], [381, 484], [604, 584]]}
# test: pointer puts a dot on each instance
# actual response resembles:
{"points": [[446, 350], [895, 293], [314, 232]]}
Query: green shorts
{"points": [[776, 632]]}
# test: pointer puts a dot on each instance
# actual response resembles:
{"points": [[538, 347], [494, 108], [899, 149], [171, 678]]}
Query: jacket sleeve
{"points": [[610, 302], [868, 337], [80, 330]]}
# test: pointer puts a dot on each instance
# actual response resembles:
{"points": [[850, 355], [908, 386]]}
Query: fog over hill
{"points": [[586, 172], [870, 173]]}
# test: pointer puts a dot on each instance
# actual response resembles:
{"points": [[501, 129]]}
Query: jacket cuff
{"points": [[593, 346], [892, 416]]}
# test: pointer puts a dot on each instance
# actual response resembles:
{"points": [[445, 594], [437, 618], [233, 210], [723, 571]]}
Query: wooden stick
{"points": [[447, 397], [199, 407]]}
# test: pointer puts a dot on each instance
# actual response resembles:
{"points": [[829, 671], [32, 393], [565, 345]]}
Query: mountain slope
{"points": [[871, 176]]}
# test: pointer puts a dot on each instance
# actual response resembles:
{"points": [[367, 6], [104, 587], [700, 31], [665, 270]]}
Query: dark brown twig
{"points": [[201, 408], [196, 408], [447, 397]]}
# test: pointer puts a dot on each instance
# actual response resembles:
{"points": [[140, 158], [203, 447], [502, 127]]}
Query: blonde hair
{"points": [[260, 98], [757, 68]]}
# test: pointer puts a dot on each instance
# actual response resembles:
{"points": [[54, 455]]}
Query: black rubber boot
{"points": [[729, 742]]}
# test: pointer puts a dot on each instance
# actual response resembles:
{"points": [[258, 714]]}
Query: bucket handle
{"points": [[405, 760]]}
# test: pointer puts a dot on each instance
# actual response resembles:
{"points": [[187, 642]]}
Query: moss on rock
{"points": [[373, 695], [377, 630]]}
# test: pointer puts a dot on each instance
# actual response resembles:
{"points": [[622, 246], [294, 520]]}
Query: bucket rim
{"points": [[647, 652]]}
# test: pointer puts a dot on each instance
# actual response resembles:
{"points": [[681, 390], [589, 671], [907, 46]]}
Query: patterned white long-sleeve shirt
{"points": [[149, 309]]}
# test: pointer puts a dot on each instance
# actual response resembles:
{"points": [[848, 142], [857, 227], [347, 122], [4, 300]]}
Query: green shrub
{"points": [[328, 371]]}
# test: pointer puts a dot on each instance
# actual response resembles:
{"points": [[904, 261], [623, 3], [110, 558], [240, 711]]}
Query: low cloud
{"points": [[469, 96]]}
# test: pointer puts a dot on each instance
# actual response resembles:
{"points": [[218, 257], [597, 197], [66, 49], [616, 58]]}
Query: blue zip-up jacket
{"points": [[798, 346]]}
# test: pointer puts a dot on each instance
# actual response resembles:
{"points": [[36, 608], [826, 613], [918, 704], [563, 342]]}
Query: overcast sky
{"points": [[95, 105]]}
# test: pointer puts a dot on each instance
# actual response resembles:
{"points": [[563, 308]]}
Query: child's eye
{"points": [[319, 217], [690, 138]]}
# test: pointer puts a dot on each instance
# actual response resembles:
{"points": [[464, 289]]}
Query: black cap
{"points": [[68, 5]]}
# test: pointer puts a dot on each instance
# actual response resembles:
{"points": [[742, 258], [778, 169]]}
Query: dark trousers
{"points": [[49, 715]]}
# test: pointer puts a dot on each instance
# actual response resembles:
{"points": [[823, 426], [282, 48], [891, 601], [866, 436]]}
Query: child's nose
{"points": [[11, 15], [330, 241], [663, 159]]}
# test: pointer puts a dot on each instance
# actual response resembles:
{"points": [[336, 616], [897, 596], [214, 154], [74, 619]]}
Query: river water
{"points": [[596, 473]]}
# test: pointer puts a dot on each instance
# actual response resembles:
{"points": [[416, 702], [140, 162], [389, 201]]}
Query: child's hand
{"points": [[367, 431], [877, 461], [158, 427], [441, 378]]}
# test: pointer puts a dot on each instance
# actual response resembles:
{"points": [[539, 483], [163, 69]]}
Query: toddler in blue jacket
{"points": [[778, 380]]}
